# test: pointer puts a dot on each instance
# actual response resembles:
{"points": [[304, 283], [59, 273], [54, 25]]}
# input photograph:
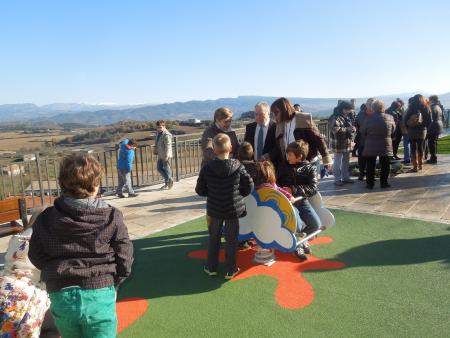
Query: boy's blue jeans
{"points": [[85, 312], [164, 169], [309, 216]]}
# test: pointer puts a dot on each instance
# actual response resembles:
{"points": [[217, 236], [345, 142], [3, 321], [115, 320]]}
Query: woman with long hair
{"points": [[417, 120], [294, 126]]}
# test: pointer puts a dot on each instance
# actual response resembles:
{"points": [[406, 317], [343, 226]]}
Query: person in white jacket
{"points": [[163, 148]]}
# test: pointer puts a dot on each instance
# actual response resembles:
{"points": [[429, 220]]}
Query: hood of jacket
{"points": [[79, 222]]}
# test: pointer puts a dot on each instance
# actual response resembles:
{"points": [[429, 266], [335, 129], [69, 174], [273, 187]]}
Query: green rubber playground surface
{"points": [[393, 281]]}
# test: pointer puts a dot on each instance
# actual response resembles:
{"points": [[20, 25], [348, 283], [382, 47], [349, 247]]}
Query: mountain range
{"points": [[106, 114]]}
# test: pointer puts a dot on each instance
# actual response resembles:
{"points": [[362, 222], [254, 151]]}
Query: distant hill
{"points": [[104, 114]]}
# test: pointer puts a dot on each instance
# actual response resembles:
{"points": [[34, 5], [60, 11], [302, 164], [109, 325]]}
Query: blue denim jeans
{"points": [[164, 169], [309, 216], [340, 166], [406, 149]]}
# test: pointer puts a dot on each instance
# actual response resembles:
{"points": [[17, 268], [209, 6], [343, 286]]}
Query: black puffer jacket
{"points": [[300, 177], [224, 183]]}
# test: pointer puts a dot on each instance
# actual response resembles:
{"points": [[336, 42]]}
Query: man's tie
{"points": [[260, 143]]}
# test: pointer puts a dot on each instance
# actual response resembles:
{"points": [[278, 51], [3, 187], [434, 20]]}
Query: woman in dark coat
{"points": [[435, 128], [294, 126], [417, 119], [394, 111], [365, 110], [222, 124], [378, 129]]}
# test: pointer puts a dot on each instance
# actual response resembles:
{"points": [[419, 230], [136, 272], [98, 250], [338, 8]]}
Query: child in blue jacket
{"points": [[124, 167]]}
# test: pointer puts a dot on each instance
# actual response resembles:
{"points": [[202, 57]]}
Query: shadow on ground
{"points": [[162, 267], [185, 199], [398, 252]]}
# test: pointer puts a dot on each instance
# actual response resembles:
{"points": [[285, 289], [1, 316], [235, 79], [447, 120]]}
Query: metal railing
{"points": [[37, 179]]}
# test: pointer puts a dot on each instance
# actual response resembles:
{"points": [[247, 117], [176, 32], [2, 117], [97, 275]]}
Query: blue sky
{"points": [[130, 52]]}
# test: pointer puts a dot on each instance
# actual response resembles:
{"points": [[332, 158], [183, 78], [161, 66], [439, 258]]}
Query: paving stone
{"points": [[395, 207]]}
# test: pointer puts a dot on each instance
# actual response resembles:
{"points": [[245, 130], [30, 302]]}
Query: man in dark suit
{"points": [[261, 134]]}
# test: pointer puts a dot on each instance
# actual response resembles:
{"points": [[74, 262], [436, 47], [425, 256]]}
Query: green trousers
{"points": [[85, 312]]}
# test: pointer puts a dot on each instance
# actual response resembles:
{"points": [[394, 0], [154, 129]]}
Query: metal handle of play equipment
{"points": [[303, 240]]}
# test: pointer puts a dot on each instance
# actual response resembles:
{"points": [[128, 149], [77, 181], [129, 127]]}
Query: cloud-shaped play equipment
{"points": [[271, 220]]}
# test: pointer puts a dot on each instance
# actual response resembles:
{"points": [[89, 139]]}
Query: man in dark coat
{"points": [[261, 133]]}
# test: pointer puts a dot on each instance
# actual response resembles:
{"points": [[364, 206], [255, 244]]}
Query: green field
{"points": [[444, 145]]}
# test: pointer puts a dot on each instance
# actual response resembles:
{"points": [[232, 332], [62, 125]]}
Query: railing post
{"points": [[38, 169], [177, 174], [136, 166]]}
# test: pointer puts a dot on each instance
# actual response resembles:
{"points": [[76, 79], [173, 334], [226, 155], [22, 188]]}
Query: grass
{"points": [[443, 146], [394, 284]]}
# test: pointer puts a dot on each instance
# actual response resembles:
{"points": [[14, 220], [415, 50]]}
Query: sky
{"points": [[131, 52]]}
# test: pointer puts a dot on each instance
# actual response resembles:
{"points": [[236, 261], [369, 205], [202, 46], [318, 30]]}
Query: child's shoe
{"points": [[307, 248], [208, 272], [232, 275], [300, 253], [170, 184]]}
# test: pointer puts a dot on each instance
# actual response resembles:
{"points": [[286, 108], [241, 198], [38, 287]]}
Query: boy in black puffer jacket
{"points": [[299, 177], [224, 182]]}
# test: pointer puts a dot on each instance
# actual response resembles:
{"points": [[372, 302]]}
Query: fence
{"points": [[36, 179]]}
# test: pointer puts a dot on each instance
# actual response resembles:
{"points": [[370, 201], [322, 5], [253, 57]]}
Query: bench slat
{"points": [[9, 204], [9, 216]]}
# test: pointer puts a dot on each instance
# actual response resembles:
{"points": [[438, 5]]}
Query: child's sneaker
{"points": [[300, 253], [208, 272], [170, 184], [232, 275], [307, 248]]}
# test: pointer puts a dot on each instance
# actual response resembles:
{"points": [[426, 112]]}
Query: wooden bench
{"points": [[11, 210]]}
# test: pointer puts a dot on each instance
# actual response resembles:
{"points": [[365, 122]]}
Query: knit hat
{"points": [[344, 104]]}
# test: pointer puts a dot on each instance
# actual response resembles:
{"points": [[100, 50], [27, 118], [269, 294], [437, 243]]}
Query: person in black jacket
{"points": [[394, 111], [435, 128], [299, 177], [245, 156], [82, 247], [224, 182]]}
